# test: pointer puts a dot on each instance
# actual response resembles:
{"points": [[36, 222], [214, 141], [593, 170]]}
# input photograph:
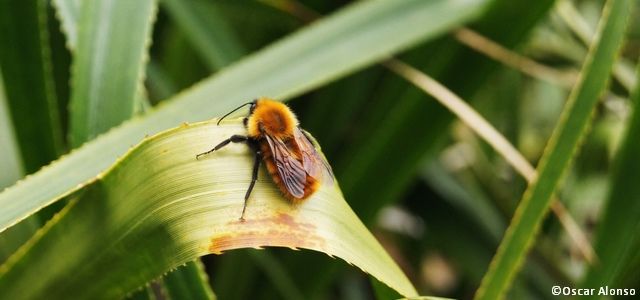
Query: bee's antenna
{"points": [[239, 107]]}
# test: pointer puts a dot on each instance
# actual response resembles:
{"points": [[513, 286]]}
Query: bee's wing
{"points": [[290, 170], [314, 164]]}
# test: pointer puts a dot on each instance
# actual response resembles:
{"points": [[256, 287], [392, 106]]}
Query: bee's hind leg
{"points": [[233, 139], [254, 178]]}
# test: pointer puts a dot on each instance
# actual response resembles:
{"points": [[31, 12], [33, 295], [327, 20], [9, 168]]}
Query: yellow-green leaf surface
{"points": [[158, 207], [330, 48]]}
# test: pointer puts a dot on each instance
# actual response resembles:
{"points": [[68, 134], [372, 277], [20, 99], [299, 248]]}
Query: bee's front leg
{"points": [[233, 139]]}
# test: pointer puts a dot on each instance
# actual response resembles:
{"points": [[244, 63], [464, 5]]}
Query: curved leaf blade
{"points": [[158, 207], [560, 150], [329, 49]]}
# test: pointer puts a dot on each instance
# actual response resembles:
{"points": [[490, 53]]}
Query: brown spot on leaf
{"points": [[281, 230]]}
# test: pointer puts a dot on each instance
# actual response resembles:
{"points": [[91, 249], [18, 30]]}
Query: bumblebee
{"points": [[275, 136]]}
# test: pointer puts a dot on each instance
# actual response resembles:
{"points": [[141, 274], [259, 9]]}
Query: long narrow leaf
{"points": [[188, 282], [400, 113], [68, 11], [158, 207], [333, 47], [558, 153], [108, 31], [12, 170], [619, 229], [10, 159], [109, 64], [31, 134], [26, 71]]}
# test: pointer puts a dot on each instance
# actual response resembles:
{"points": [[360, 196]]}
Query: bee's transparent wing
{"points": [[291, 171], [314, 164]]}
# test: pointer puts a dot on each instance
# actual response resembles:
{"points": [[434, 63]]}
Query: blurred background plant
{"points": [[435, 194]]}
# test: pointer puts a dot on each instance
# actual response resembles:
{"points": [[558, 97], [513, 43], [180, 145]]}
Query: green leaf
{"points": [[31, 130], [188, 282], [396, 114], [68, 11], [330, 48], [10, 159], [27, 76], [158, 207], [618, 235], [558, 153], [401, 113], [206, 30], [623, 69], [121, 34], [11, 168], [109, 63]]}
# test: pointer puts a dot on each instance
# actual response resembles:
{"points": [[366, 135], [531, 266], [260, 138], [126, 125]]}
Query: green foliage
{"points": [[125, 212], [177, 222], [616, 247], [109, 64], [28, 84], [559, 152]]}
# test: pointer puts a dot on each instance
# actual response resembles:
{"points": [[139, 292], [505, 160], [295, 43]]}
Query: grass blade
{"points": [[558, 153], [623, 69], [618, 235], [135, 38], [401, 113], [32, 133], [188, 282], [68, 12], [494, 138], [109, 64], [300, 62], [10, 158], [158, 207], [27, 75], [11, 168]]}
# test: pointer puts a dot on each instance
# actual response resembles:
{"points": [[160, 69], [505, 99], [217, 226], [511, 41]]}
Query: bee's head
{"points": [[252, 107], [254, 103]]}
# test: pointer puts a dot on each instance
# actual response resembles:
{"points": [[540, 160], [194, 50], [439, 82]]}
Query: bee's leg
{"points": [[233, 139], [254, 178]]}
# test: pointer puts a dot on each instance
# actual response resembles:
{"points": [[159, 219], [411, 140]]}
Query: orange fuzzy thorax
{"points": [[271, 118]]}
